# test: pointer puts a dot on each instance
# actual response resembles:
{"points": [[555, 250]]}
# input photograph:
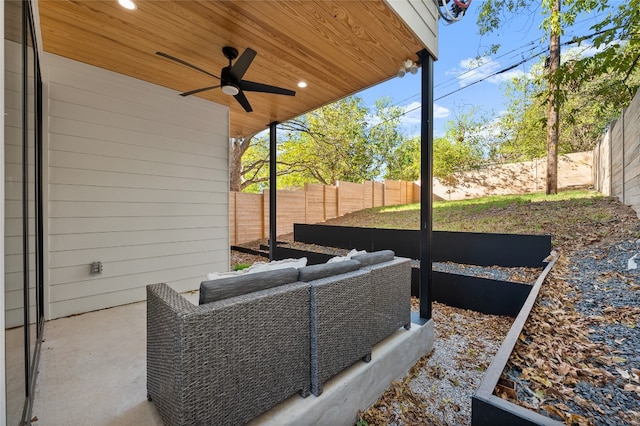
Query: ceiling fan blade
{"points": [[242, 100], [180, 61], [193, 92], [238, 69], [251, 86]]}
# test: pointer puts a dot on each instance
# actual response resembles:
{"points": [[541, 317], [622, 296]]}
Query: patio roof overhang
{"points": [[337, 47]]}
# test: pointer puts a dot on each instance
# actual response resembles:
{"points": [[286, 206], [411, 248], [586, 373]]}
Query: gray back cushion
{"points": [[315, 272], [223, 288], [372, 258]]}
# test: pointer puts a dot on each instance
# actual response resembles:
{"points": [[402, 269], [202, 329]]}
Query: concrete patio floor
{"points": [[93, 371]]}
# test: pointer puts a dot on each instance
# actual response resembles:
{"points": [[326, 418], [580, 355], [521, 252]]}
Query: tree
{"points": [[465, 146], [340, 141], [588, 106], [522, 126], [553, 101], [237, 148], [618, 28], [404, 164]]}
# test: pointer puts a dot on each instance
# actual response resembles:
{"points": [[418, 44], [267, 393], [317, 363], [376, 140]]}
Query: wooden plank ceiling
{"points": [[338, 47]]}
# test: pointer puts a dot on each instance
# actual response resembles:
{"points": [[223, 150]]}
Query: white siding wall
{"points": [[422, 17], [137, 179]]}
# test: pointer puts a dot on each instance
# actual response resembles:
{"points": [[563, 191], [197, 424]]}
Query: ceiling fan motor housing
{"points": [[229, 86]]}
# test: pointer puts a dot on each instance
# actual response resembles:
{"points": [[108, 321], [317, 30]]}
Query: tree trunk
{"points": [[237, 148], [554, 104]]}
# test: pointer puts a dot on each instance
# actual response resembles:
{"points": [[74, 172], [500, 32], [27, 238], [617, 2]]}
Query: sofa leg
{"points": [[149, 398], [304, 393], [367, 357], [407, 326]]}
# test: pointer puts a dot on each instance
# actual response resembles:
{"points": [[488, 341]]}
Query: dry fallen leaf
{"points": [[624, 373], [629, 387]]}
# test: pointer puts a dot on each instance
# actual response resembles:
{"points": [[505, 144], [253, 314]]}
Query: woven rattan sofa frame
{"points": [[226, 362]]}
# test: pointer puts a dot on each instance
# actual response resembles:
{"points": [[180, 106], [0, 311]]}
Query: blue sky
{"points": [[460, 80]]}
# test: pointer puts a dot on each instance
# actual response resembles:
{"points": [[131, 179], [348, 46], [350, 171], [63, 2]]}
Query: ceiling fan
{"points": [[231, 81]]}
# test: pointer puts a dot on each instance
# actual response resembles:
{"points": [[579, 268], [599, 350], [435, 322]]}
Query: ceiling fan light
{"points": [[229, 89]]}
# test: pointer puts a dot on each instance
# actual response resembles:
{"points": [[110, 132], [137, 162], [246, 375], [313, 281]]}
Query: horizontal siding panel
{"points": [[126, 180], [61, 209], [113, 254], [13, 228], [13, 154], [14, 317], [13, 262], [60, 142], [81, 225], [169, 119], [13, 209], [99, 301], [12, 137], [113, 284], [13, 245], [119, 239], [422, 18], [13, 170], [14, 299], [138, 180], [75, 274], [96, 193], [146, 95], [128, 165], [13, 280], [88, 130], [13, 190]]}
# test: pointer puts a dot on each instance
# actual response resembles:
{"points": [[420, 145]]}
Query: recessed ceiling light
{"points": [[302, 84], [127, 4]]}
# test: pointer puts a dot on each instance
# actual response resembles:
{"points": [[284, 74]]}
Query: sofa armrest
{"points": [[165, 310], [390, 296], [228, 361], [340, 324]]}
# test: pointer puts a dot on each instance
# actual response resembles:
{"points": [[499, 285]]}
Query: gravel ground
{"points": [[578, 359], [600, 384], [465, 343], [438, 390]]}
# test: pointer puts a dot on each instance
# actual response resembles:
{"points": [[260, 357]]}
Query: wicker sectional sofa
{"points": [[256, 339]]}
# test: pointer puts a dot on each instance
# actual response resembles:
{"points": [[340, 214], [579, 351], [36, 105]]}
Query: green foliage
{"points": [[341, 141], [614, 37], [485, 211], [464, 147], [404, 164], [588, 106], [241, 266]]}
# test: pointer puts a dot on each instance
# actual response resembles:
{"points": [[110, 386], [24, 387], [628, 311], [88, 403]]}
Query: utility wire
{"points": [[574, 40]]}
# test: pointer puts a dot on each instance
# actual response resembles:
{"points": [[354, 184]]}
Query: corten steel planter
{"points": [[489, 409]]}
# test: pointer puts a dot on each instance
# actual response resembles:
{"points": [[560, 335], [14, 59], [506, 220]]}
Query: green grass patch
{"points": [[241, 266], [527, 213]]}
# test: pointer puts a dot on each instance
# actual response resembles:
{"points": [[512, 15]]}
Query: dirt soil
{"points": [[559, 357]]}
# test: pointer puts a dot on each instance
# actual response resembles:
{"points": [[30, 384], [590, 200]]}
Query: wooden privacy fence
{"points": [[574, 169], [249, 213], [616, 158]]}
